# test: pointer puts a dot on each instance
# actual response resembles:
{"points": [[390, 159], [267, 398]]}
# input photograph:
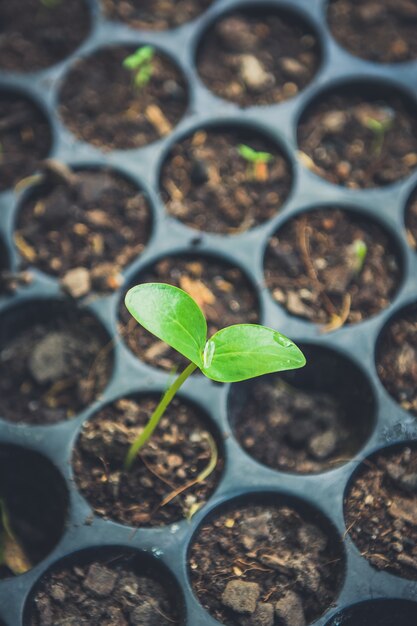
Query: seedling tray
{"points": [[243, 477]]}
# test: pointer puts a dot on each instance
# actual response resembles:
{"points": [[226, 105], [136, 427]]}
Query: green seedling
{"points": [[379, 129], [257, 161], [140, 63], [233, 354], [360, 250]]}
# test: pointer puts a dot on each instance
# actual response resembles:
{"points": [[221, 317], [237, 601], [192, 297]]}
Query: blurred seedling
{"points": [[257, 162], [379, 128], [140, 64]]}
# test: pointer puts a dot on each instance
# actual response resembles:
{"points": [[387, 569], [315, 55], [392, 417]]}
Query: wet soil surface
{"points": [[381, 511], [208, 185], [35, 498], [83, 229], [50, 370], [177, 453], [332, 267], [397, 360], [41, 32], [265, 565], [221, 290], [25, 138], [359, 141], [155, 14], [102, 593], [100, 103], [382, 31], [258, 59]]}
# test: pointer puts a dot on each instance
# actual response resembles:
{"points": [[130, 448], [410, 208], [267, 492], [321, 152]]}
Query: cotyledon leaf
{"points": [[172, 315], [244, 351]]}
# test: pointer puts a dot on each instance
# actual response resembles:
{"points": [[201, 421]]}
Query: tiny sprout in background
{"points": [[233, 354], [379, 129], [141, 66], [257, 162], [360, 250], [50, 4]]}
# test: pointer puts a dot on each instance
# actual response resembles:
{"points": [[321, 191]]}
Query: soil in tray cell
{"points": [[102, 103], [359, 140], [179, 450], [83, 227], [155, 14], [222, 291], [208, 184], [381, 511], [258, 58], [265, 564], [54, 361], [332, 267], [383, 31]]}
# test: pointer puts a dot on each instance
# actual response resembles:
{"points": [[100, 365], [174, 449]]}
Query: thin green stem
{"points": [[156, 415]]}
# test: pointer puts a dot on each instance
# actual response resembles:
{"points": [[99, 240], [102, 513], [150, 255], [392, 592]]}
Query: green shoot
{"points": [[233, 354], [141, 66], [379, 128], [257, 161], [360, 250]]}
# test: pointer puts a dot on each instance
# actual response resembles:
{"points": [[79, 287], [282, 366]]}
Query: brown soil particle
{"points": [[39, 35], [315, 268], [100, 103], [102, 593], [222, 291], [209, 186], [155, 14], [35, 498], [411, 221], [397, 360], [25, 138], [381, 511], [87, 227], [265, 565], [51, 366], [307, 421], [359, 141], [258, 58], [382, 31], [178, 451]]}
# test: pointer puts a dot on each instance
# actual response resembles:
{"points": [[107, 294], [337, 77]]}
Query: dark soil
{"points": [[306, 421], [155, 14], [258, 58], [383, 31], [175, 455], [313, 270], [221, 290], [102, 593], [411, 221], [84, 230], [51, 366], [101, 105], [381, 511], [37, 36], [397, 360], [25, 138], [265, 560], [35, 497], [207, 184], [337, 143]]}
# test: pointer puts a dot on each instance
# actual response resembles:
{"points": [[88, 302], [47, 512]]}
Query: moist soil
{"points": [[252, 563], [37, 36], [381, 511], [209, 186], [155, 14], [341, 140], [293, 429], [101, 105], [36, 501], [313, 270], [258, 59], [102, 593], [397, 360], [383, 31], [174, 457], [51, 370], [221, 290], [83, 229], [25, 138]]}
